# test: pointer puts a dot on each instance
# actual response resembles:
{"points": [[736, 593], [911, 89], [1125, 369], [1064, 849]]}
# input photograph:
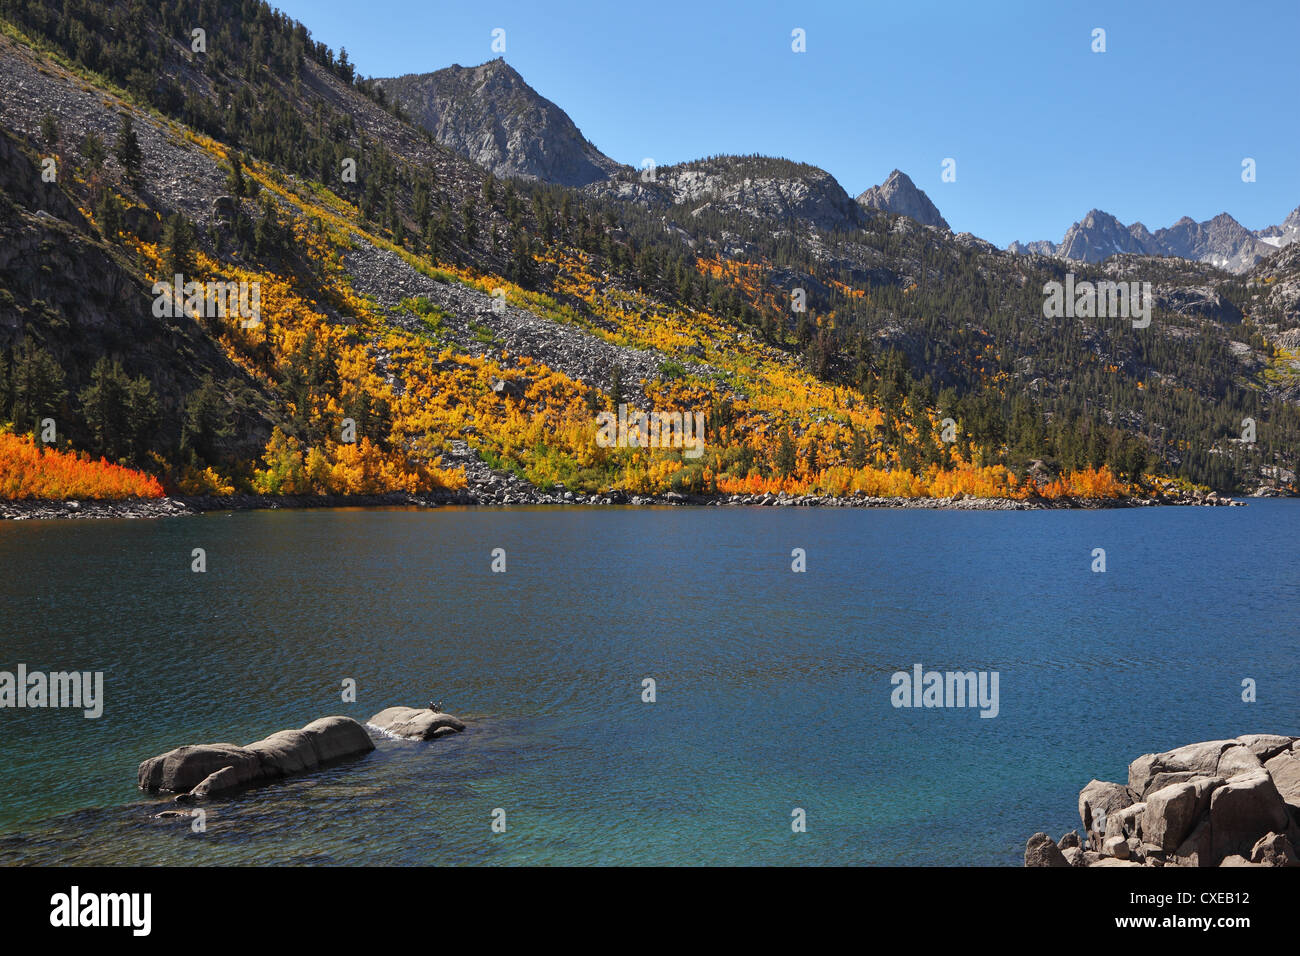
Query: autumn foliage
{"points": [[772, 425], [30, 471]]}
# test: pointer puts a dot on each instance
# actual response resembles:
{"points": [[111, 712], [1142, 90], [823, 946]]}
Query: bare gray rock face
{"points": [[1284, 234], [1247, 806], [282, 754], [416, 723], [1202, 301], [1097, 237], [489, 115], [1039, 247], [1221, 241], [899, 195], [763, 187], [1172, 811]]}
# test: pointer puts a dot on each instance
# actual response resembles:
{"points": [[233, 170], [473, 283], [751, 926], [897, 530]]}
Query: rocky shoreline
{"points": [[510, 492], [1216, 803]]}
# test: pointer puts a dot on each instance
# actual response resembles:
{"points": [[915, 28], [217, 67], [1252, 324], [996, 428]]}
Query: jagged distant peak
{"points": [[899, 195], [1221, 241]]}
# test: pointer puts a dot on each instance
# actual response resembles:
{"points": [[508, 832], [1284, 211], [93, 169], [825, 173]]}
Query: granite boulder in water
{"points": [[416, 723], [211, 768]]}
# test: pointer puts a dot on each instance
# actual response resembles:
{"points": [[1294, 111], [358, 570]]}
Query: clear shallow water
{"points": [[773, 687]]}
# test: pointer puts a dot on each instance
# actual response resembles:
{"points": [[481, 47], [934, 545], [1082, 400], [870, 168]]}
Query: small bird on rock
{"points": [[436, 708]]}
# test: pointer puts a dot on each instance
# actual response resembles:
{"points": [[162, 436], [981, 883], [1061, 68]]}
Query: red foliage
{"points": [[29, 471]]}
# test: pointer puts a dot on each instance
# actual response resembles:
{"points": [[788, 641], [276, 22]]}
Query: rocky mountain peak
{"points": [[1222, 241], [490, 115], [899, 195], [1097, 237]]}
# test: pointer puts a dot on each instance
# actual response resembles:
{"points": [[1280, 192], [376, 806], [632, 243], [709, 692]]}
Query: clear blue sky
{"points": [[1042, 128]]}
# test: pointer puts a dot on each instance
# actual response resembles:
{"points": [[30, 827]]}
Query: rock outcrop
{"points": [[204, 770], [416, 723], [1215, 803]]}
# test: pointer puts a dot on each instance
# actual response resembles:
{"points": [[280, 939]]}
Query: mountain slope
{"points": [[466, 325]]}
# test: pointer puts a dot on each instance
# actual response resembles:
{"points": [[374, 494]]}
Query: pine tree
{"points": [[49, 130], [121, 413], [128, 151], [178, 246], [786, 459], [37, 386]]}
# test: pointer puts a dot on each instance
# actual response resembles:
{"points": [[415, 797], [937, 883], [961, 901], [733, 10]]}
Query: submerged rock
{"points": [[416, 723], [223, 781]]}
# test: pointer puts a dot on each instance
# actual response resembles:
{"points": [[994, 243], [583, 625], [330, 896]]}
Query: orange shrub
{"points": [[29, 471]]}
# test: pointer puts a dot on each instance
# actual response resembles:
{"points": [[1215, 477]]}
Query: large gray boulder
{"points": [[416, 723], [182, 769], [1210, 758], [1245, 808], [338, 737], [1285, 771], [1237, 760], [1097, 801], [1041, 851], [1172, 812], [1117, 847], [286, 752], [1266, 746], [1125, 823], [279, 755]]}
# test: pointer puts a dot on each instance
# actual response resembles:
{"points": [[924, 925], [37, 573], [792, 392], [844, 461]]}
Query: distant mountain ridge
{"points": [[491, 116], [1221, 242]]}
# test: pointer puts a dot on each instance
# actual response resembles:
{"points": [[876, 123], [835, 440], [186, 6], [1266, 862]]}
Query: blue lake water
{"points": [[773, 688]]}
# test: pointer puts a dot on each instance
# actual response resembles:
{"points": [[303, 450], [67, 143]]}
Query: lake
{"points": [[772, 688]]}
